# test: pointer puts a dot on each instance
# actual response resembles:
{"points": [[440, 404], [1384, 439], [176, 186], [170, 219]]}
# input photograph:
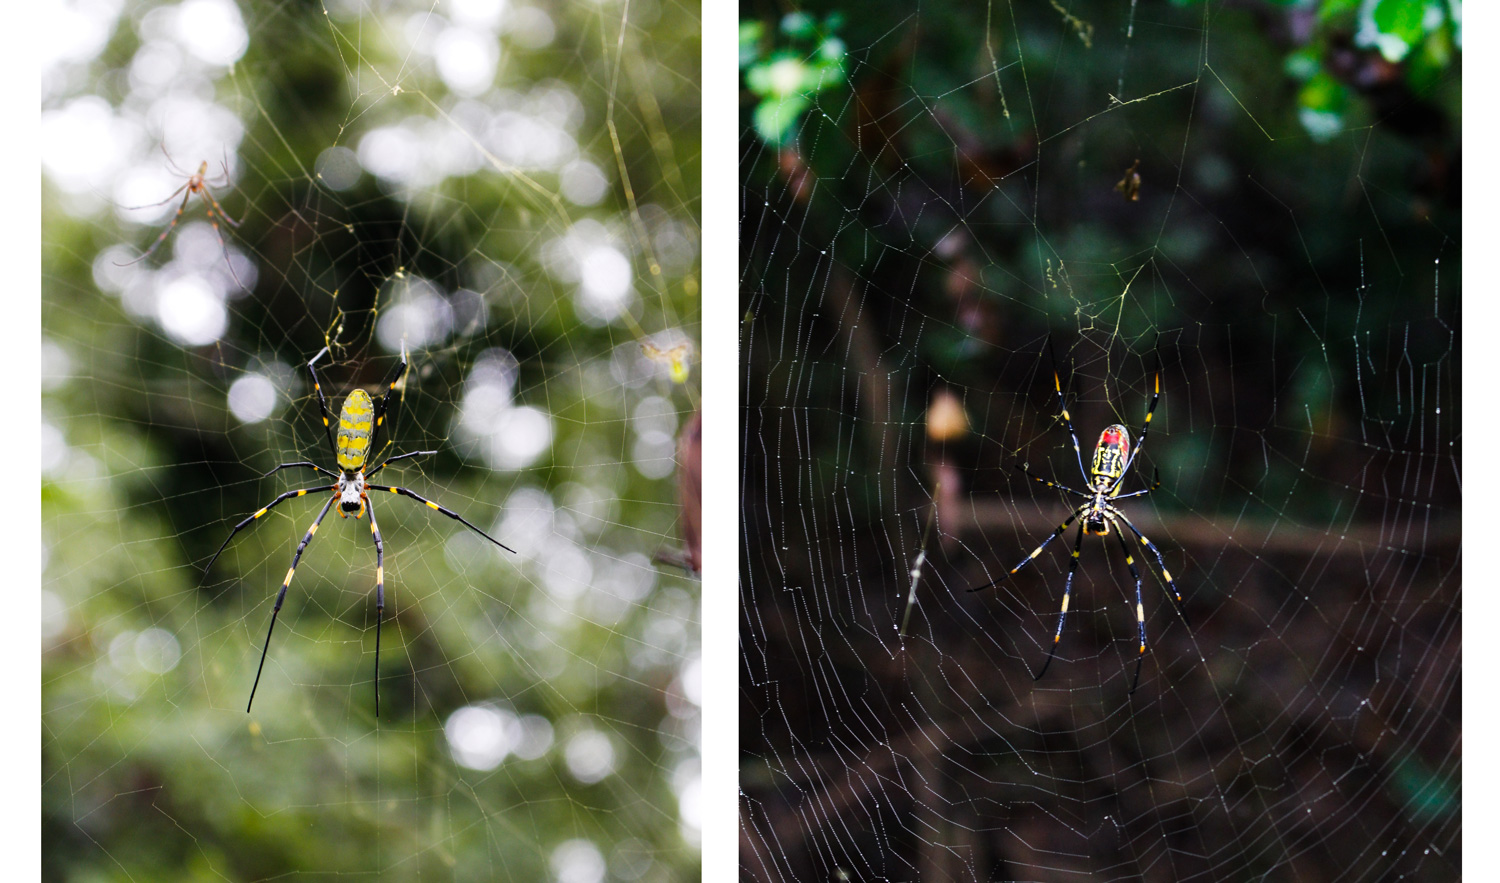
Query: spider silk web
{"points": [[507, 188], [913, 254]]}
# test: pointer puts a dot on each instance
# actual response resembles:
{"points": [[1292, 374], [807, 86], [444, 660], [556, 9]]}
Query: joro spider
{"points": [[360, 421], [195, 183], [1113, 457]]}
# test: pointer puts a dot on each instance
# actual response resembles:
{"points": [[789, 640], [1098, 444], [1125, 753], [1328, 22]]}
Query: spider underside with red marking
{"points": [[1113, 457]]}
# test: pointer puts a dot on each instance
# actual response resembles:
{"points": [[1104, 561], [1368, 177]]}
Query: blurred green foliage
{"points": [[1131, 182], [152, 770], [1423, 37], [787, 70], [977, 164]]}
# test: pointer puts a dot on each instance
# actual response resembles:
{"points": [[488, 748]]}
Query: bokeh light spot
{"points": [[590, 756], [480, 736], [252, 398]]}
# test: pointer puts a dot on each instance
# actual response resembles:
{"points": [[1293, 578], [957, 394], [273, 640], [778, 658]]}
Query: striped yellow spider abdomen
{"points": [[356, 422]]}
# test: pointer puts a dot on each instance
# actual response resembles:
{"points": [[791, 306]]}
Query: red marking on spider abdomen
{"points": [[1112, 453], [1116, 436]]}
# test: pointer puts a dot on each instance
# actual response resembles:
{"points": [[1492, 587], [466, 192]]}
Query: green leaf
{"points": [[788, 76], [799, 25], [1304, 63], [1395, 26], [751, 33], [1400, 18], [775, 117], [1322, 103], [781, 74], [832, 49], [1324, 93], [1332, 9], [1429, 63]]}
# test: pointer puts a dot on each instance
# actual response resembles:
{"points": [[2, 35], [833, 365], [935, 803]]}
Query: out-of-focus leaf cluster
{"points": [[1348, 47], [787, 70]]}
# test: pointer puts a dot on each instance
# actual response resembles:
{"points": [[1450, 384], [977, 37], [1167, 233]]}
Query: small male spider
{"points": [[360, 421], [1113, 457], [196, 183]]}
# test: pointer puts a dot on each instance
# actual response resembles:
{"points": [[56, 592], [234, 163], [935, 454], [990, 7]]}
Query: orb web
{"points": [[503, 189], [973, 198]]}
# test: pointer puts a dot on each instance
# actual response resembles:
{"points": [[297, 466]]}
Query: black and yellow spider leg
{"points": [[267, 508], [1140, 607], [384, 403], [1155, 483], [389, 461], [1062, 617], [379, 595], [1052, 484], [1146, 426], [322, 402], [310, 465], [436, 508], [281, 596], [1171, 587], [1038, 550], [1062, 406]]}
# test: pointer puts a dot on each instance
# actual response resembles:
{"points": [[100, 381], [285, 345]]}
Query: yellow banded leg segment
{"points": [[322, 401], [1140, 607], [253, 518], [1166, 575], [1150, 412], [448, 512], [281, 595], [379, 598], [382, 407], [1067, 419], [1038, 550], [1062, 616]]}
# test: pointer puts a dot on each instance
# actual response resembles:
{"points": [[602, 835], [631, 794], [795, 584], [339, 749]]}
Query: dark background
{"points": [[1292, 264]]}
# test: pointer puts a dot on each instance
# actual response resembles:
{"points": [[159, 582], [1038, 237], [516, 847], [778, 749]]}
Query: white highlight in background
{"points": [[480, 736], [590, 756], [212, 30], [578, 861], [252, 398], [191, 311]]}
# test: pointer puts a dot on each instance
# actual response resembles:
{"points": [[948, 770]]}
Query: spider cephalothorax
{"points": [[351, 491], [1113, 456], [360, 421]]}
